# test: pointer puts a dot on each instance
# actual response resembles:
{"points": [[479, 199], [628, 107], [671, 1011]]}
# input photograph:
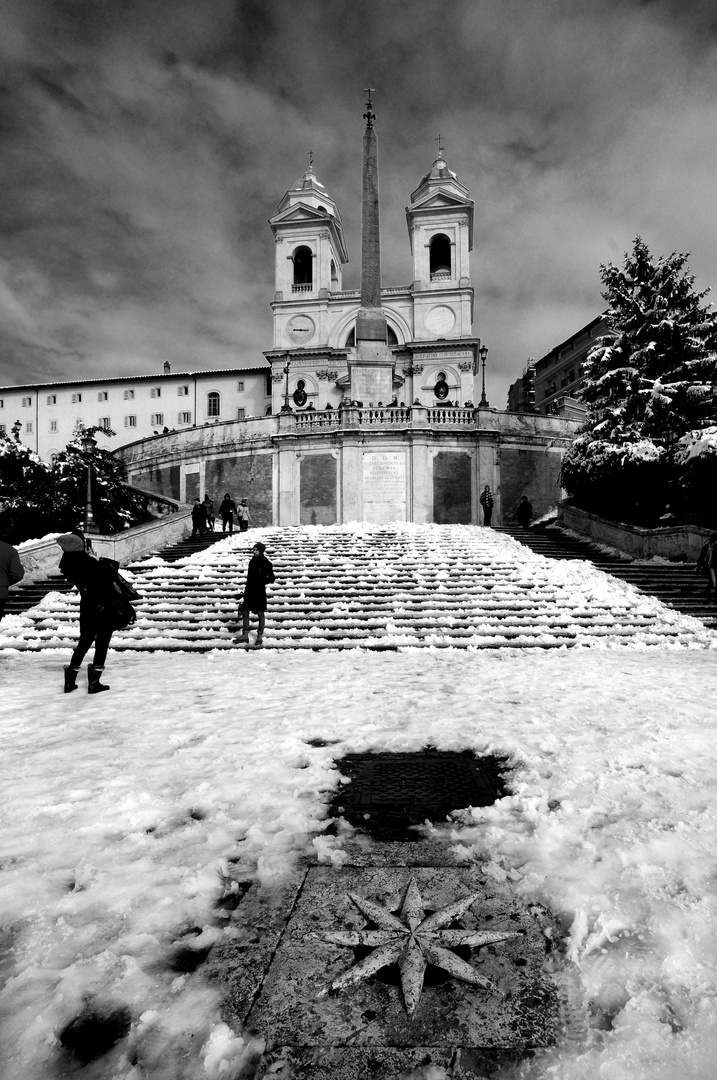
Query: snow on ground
{"points": [[122, 814]]}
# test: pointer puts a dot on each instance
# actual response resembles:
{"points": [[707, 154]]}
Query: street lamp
{"points": [[286, 407], [89, 443], [483, 403]]}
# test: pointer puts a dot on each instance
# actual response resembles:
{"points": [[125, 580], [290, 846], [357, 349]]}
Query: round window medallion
{"points": [[300, 329], [440, 320]]}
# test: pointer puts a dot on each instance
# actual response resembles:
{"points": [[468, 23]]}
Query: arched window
{"points": [[391, 337], [440, 255], [303, 266], [334, 276], [213, 404]]}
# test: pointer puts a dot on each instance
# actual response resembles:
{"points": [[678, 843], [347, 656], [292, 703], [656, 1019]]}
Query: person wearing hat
{"points": [[260, 573], [94, 578]]}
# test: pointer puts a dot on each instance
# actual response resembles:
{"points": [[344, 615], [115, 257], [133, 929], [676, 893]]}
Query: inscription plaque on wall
{"points": [[384, 487]]}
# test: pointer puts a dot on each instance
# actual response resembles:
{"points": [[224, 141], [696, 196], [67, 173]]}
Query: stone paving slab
{"points": [[450, 1013]]}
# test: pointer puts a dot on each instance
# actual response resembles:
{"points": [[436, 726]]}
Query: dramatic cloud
{"points": [[143, 145]]}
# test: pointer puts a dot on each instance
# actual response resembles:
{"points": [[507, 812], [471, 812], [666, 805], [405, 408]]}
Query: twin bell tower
{"points": [[401, 345]]}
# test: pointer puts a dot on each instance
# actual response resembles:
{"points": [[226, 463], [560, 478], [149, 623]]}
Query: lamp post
{"points": [[286, 407], [483, 403], [88, 445]]}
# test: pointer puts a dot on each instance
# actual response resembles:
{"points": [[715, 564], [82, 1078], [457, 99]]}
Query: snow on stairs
{"points": [[674, 583], [374, 587]]}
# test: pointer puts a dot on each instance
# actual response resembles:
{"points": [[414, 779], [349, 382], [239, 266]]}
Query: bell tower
{"points": [[310, 256], [440, 228]]}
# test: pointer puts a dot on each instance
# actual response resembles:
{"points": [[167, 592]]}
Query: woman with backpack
{"points": [[104, 607]]}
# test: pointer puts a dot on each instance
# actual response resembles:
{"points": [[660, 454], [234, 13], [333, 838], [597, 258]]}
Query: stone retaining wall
{"points": [[681, 543]]}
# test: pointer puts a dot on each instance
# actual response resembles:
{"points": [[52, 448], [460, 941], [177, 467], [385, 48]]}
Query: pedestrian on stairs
{"points": [[707, 565], [11, 571], [243, 515], [486, 501], [95, 580], [209, 512], [199, 519], [524, 513], [227, 509], [260, 573]]}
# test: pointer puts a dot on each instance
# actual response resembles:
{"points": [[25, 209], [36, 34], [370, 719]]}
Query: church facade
{"points": [[378, 409]]}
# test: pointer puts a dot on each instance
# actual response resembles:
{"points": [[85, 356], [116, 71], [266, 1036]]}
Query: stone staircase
{"points": [[674, 583], [373, 587]]}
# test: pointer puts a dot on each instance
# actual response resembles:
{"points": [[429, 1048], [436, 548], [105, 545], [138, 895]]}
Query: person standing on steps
{"points": [[209, 512], [524, 513], [199, 519], [260, 573], [11, 571], [227, 509], [243, 515], [486, 501], [707, 565], [95, 580]]}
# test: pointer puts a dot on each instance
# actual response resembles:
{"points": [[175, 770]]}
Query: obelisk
{"points": [[371, 366]]}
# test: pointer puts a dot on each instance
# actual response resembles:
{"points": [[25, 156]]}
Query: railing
{"points": [[381, 416]]}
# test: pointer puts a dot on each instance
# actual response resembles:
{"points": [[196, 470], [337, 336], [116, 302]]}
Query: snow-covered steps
{"points": [[675, 583], [375, 587]]}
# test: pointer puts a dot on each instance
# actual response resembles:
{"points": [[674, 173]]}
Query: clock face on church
{"points": [[300, 329], [440, 320]]}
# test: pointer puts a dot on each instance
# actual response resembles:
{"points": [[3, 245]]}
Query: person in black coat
{"points": [[260, 573], [11, 571], [95, 580], [524, 513], [227, 509], [486, 500], [199, 519]]}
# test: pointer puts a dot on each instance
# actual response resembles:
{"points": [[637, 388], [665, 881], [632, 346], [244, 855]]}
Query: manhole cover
{"points": [[390, 793]]}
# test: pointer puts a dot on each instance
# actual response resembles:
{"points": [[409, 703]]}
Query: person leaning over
{"points": [[260, 573], [227, 509], [486, 501], [11, 571], [243, 515], [96, 580]]}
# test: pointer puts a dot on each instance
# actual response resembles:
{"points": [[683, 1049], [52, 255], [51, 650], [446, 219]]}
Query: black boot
{"points": [[71, 674], [94, 686]]}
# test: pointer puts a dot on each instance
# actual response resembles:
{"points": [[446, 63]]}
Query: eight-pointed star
{"points": [[413, 940]]}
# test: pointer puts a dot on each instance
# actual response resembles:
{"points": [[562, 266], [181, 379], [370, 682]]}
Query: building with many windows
{"points": [[134, 407], [558, 374]]}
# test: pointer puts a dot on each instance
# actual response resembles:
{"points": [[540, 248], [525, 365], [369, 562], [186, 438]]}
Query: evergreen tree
{"points": [[653, 373], [657, 366], [26, 496]]}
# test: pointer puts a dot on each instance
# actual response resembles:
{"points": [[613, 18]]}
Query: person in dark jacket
{"points": [[199, 519], [11, 571], [486, 501], [260, 573], [524, 513], [707, 565], [95, 580], [227, 508]]}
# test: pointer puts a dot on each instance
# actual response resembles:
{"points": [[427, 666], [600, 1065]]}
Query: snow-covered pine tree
{"points": [[654, 372], [657, 367]]}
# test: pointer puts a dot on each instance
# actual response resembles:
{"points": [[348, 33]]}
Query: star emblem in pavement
{"points": [[413, 940]]}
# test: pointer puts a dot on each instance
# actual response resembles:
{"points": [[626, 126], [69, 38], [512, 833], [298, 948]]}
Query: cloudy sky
{"points": [[144, 144]]}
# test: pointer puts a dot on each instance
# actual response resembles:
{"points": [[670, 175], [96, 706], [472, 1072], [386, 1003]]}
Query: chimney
{"points": [[167, 368]]}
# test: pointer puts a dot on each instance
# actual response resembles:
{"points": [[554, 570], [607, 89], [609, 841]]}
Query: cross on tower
{"points": [[441, 148], [310, 155], [369, 116]]}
